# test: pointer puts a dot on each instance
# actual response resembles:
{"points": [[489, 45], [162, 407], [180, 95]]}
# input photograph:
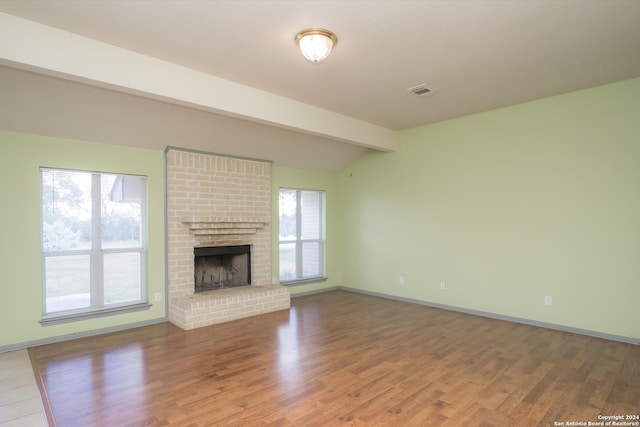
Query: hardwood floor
{"points": [[340, 358]]}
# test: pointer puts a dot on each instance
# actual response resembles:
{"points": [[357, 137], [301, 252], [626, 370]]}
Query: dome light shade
{"points": [[316, 43]]}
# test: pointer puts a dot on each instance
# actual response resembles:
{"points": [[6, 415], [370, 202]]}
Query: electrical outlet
{"points": [[401, 280], [158, 296], [443, 286], [548, 300]]}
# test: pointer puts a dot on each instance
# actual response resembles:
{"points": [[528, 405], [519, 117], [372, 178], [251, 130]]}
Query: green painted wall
{"points": [[20, 275], [310, 180], [506, 207]]}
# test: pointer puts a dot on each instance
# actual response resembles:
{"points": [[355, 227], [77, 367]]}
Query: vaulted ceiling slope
{"points": [[226, 76]]}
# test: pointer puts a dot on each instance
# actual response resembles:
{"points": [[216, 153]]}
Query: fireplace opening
{"points": [[219, 267]]}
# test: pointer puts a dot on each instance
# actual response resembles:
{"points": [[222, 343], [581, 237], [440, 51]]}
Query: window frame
{"points": [[98, 307], [299, 241]]}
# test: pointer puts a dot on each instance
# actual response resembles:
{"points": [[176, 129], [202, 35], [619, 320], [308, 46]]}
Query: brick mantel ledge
{"points": [[205, 226]]}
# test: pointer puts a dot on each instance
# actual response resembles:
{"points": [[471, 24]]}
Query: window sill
{"points": [[298, 282], [53, 319]]}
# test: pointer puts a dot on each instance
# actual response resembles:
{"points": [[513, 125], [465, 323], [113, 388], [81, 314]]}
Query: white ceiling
{"points": [[476, 55]]}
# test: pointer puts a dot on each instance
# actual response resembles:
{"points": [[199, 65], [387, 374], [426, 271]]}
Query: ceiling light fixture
{"points": [[316, 43]]}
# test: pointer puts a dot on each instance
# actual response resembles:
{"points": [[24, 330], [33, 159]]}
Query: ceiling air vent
{"points": [[420, 90]]}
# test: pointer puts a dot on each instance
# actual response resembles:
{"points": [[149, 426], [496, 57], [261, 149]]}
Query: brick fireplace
{"points": [[216, 201]]}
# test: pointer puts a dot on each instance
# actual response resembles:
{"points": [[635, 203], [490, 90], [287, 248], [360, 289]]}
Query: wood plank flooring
{"points": [[342, 359]]}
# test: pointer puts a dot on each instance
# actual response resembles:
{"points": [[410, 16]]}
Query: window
{"points": [[301, 235], [93, 242]]}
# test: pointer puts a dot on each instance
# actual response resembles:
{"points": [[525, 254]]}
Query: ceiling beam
{"points": [[46, 50]]}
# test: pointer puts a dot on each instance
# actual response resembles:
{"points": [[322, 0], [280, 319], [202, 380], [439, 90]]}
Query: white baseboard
{"points": [[83, 334]]}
